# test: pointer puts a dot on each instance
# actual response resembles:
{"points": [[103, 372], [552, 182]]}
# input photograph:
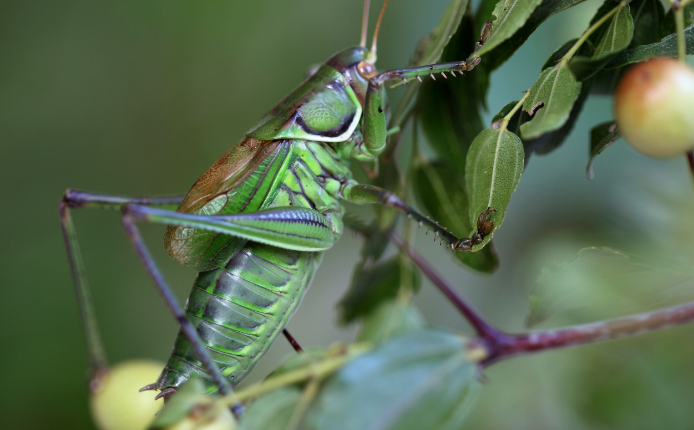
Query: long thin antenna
{"points": [[378, 26], [365, 23]]}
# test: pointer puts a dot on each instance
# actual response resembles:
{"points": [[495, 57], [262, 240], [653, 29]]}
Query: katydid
{"points": [[256, 223]]}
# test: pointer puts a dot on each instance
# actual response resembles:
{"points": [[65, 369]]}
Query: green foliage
{"points": [[510, 15], [552, 97], [272, 411], [440, 192], [418, 377], [601, 136], [494, 167], [424, 379], [617, 37], [373, 284], [603, 283]]}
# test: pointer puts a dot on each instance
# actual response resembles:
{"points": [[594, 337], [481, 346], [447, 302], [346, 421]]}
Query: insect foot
{"points": [[484, 227]]}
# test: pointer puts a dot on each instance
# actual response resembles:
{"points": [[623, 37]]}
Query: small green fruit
{"points": [[116, 402], [654, 107]]}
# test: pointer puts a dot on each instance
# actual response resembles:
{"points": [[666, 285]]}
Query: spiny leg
{"points": [[175, 308], [75, 199], [81, 199], [293, 227], [369, 194], [374, 130]]}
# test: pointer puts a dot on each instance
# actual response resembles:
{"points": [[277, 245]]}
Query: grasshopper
{"points": [[256, 223]]}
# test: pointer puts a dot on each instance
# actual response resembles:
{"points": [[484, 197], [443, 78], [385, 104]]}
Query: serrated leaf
{"points": [[667, 47], [373, 284], [603, 283], [616, 38], [419, 380], [271, 411], [601, 136], [494, 167], [495, 58], [441, 190], [430, 48], [552, 96], [390, 319], [449, 110], [510, 16]]}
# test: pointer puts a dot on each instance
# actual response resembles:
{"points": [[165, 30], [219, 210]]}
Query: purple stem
{"points": [[501, 345]]}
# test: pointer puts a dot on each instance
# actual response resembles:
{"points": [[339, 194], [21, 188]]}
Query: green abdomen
{"points": [[239, 309]]}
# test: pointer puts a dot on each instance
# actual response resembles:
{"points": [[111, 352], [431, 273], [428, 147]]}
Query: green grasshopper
{"points": [[256, 223]]}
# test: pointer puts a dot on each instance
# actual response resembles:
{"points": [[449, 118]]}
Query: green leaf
{"points": [[449, 110], [667, 47], [431, 46], [648, 19], [669, 27], [494, 167], [390, 319], [271, 411], [373, 284], [510, 16], [548, 142], [552, 96], [603, 283], [419, 380], [601, 136], [441, 190], [495, 58], [616, 38]]}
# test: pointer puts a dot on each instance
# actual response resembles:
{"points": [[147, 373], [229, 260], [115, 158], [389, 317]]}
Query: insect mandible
{"points": [[256, 223]]}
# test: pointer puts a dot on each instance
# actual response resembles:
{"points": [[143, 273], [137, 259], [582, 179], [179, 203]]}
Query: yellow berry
{"points": [[654, 107], [116, 402]]}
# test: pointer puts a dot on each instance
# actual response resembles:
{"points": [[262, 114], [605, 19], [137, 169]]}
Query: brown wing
{"points": [[235, 183]]}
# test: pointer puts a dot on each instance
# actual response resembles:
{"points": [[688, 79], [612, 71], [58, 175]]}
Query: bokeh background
{"points": [[139, 98]]}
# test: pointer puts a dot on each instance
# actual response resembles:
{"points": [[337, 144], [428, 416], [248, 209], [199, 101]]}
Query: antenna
{"points": [[372, 54], [364, 23]]}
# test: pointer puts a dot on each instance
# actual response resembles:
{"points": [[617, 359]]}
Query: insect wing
{"points": [[242, 180]]}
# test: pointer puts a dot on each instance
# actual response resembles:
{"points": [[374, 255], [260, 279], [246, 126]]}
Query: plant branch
{"points": [[590, 31], [314, 370], [483, 328], [501, 345], [594, 332]]}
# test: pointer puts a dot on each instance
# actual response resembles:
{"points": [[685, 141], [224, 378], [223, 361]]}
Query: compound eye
{"points": [[366, 70]]}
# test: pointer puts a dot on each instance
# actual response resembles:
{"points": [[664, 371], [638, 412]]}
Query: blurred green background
{"points": [[139, 98]]}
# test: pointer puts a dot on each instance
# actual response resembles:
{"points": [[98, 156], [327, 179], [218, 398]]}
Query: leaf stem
{"points": [[501, 345], [314, 370], [678, 8], [505, 120], [565, 59]]}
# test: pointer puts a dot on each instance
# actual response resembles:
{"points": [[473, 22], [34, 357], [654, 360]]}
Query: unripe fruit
{"points": [[116, 402], [654, 107]]}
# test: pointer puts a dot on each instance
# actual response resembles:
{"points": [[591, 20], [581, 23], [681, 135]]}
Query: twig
{"points": [[501, 345]]}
